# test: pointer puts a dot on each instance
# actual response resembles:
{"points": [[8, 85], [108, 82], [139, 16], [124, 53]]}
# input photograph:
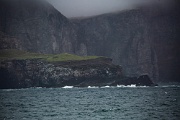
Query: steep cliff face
{"points": [[141, 40], [38, 26], [9, 42], [164, 33], [123, 37]]}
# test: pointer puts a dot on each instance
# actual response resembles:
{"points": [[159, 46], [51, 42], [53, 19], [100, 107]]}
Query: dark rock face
{"points": [[165, 36], [143, 41], [9, 42], [138, 81], [38, 26], [124, 37], [38, 73]]}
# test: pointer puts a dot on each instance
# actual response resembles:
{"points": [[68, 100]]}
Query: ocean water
{"points": [[92, 103]]}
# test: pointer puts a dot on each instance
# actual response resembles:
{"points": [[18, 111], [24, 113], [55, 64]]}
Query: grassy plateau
{"points": [[14, 54]]}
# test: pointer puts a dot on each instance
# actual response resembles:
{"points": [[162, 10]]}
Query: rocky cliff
{"points": [[22, 70], [143, 41], [37, 25], [164, 29], [124, 37]]}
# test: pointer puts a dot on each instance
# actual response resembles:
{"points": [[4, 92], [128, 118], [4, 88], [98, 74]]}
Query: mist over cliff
{"points": [[37, 25], [142, 40], [84, 8]]}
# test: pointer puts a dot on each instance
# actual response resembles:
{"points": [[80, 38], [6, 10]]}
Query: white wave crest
{"points": [[92, 87], [68, 87], [106, 86]]}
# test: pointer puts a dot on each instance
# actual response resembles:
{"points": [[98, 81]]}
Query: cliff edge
{"points": [[19, 69]]}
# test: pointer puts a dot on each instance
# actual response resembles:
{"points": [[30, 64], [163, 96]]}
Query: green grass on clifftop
{"points": [[11, 54]]}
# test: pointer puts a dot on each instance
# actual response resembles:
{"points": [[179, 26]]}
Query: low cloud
{"points": [[82, 8]]}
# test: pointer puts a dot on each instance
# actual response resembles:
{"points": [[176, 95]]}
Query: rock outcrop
{"points": [[24, 73], [138, 81]]}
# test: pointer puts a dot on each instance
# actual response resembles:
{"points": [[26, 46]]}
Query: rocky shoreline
{"points": [[25, 73]]}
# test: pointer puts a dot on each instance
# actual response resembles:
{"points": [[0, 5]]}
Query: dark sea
{"points": [[106, 103]]}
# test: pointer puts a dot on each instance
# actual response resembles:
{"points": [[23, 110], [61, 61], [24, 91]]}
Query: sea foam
{"points": [[92, 87], [67, 87]]}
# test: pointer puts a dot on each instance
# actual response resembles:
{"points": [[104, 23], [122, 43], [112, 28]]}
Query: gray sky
{"points": [[82, 8]]}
